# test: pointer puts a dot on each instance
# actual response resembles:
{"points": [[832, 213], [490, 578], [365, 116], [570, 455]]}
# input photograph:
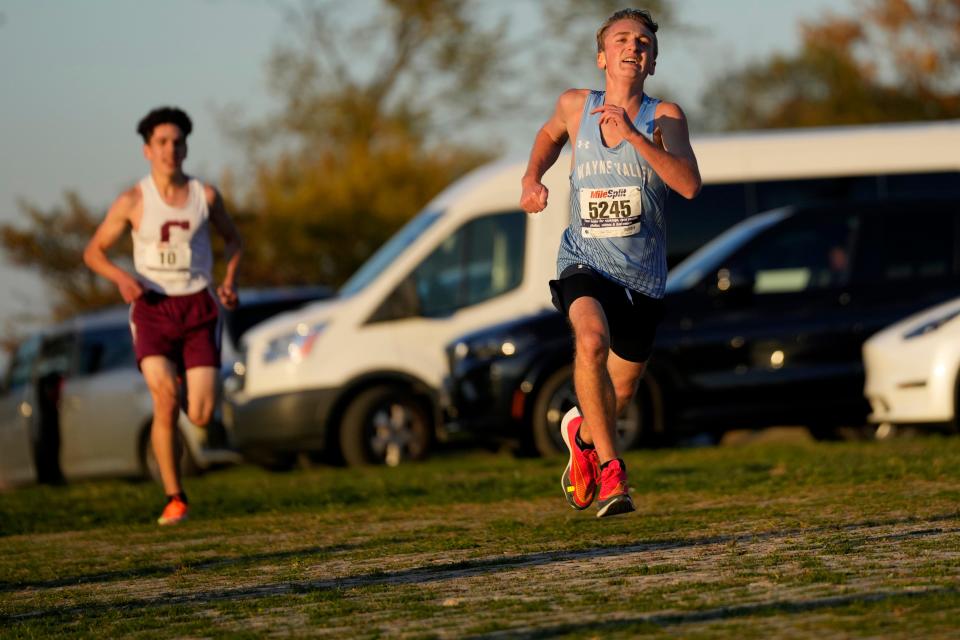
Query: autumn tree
{"points": [[379, 116], [380, 106], [895, 61], [348, 158], [52, 244]]}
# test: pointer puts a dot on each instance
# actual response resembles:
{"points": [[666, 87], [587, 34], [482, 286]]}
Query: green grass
{"points": [[761, 540]]}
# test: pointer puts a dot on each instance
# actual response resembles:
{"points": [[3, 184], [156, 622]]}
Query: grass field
{"points": [[752, 541]]}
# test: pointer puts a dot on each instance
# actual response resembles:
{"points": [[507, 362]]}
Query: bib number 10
{"points": [[606, 209], [167, 259]]}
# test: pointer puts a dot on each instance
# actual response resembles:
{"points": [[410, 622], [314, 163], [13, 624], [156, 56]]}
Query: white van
{"points": [[359, 373]]}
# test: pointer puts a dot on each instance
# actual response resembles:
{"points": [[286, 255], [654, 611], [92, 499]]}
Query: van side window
{"points": [[805, 254], [911, 246], [690, 223], [481, 260], [922, 185], [771, 194], [106, 349]]}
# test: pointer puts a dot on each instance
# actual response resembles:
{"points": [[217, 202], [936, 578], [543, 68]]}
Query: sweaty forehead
{"points": [[629, 27]]}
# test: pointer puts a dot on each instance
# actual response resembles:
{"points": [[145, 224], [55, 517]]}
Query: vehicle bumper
{"points": [[908, 387], [484, 404], [294, 421]]}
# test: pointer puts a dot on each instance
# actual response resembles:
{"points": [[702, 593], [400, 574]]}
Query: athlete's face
{"points": [[167, 149], [628, 50]]}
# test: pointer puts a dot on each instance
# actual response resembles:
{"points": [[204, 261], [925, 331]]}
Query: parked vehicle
{"points": [[912, 370], [74, 404], [359, 375], [764, 325]]}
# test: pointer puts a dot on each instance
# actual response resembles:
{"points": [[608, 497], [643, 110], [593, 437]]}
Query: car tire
{"points": [[150, 468], [384, 425], [556, 396]]}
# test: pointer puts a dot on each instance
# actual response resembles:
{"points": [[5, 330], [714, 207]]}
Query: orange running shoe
{"points": [[175, 511], [614, 497], [579, 479]]}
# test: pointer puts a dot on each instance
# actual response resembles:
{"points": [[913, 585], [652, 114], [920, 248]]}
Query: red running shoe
{"points": [[175, 511], [614, 495], [579, 479]]}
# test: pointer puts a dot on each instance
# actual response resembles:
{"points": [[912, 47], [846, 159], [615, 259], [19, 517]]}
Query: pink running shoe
{"points": [[579, 479], [175, 512], [614, 495]]}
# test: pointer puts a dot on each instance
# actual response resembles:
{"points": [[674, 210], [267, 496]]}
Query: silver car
{"points": [[74, 405]]}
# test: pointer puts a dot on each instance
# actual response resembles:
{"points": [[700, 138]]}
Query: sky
{"points": [[77, 76]]}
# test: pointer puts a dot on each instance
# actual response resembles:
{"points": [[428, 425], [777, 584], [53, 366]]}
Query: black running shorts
{"points": [[632, 317]]}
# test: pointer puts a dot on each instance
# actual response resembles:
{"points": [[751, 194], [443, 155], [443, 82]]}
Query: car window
{"points": [[805, 253], [20, 370], [389, 251], [106, 349], [911, 245], [57, 354], [481, 260]]}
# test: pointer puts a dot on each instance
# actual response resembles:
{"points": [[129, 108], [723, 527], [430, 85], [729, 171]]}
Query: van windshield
{"points": [[708, 257], [384, 256]]}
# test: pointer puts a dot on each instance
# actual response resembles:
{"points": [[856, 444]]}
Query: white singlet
{"points": [[171, 249]]}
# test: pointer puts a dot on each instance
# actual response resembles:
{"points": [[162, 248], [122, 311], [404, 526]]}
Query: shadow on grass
{"points": [[439, 572], [159, 571], [769, 608]]}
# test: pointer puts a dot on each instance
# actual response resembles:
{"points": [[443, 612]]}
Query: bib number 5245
{"points": [[607, 209]]}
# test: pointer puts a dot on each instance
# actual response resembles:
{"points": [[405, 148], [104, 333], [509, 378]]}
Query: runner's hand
{"points": [[228, 297], [534, 197], [130, 289], [611, 114]]}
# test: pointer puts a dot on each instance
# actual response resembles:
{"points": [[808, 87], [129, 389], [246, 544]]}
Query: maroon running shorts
{"points": [[183, 329]]}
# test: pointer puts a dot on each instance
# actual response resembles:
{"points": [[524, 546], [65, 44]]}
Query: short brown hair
{"points": [[640, 15], [164, 115]]}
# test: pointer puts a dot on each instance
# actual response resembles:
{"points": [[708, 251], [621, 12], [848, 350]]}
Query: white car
{"points": [[911, 369]]}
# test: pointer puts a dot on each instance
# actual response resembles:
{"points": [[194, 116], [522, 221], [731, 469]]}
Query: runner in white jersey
{"points": [[628, 150], [174, 315]]}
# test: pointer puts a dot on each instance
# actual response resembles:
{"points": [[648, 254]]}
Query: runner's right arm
{"points": [[547, 146], [106, 235]]}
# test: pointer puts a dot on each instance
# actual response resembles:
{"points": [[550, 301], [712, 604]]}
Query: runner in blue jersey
{"points": [[629, 151]]}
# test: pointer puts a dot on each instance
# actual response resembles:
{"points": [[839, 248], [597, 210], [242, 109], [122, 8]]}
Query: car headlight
{"points": [[293, 346], [931, 325], [488, 348]]}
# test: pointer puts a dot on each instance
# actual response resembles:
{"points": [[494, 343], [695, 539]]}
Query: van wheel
{"points": [[384, 425], [556, 397], [150, 468]]}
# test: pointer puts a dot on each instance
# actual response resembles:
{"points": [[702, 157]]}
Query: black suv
{"points": [[763, 326]]}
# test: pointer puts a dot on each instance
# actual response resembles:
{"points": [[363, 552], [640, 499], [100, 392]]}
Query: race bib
{"points": [[610, 213], [170, 257]]}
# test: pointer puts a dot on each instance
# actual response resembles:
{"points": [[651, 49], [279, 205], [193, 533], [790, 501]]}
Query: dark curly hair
{"points": [[164, 115], [640, 15]]}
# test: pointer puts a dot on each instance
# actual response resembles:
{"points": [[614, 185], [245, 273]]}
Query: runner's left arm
{"points": [[233, 249]]}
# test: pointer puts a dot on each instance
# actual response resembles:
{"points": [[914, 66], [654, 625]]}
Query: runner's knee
{"points": [[200, 413], [624, 391], [166, 397], [593, 346]]}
